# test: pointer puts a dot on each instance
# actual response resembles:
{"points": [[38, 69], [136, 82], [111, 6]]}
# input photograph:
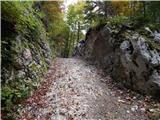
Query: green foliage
{"points": [[13, 94], [23, 16], [119, 20], [153, 11], [76, 21], [19, 19], [10, 95], [154, 26], [7, 96], [57, 28], [137, 12]]}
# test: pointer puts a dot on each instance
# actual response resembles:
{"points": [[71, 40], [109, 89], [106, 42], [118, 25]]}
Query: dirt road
{"points": [[77, 90]]}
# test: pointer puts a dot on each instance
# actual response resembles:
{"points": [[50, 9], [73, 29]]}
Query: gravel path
{"points": [[78, 91]]}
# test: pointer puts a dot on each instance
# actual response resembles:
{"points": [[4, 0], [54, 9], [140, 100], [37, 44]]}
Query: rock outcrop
{"points": [[127, 56], [26, 54]]}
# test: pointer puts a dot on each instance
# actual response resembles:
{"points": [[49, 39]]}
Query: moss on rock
{"points": [[25, 50]]}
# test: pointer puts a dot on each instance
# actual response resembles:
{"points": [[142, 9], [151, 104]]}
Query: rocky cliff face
{"points": [[26, 54], [25, 59], [129, 57]]}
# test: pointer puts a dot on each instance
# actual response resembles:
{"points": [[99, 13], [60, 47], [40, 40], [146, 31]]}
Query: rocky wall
{"points": [[127, 56], [26, 54]]}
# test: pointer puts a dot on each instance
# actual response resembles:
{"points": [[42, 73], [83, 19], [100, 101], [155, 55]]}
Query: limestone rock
{"points": [[157, 37], [126, 56]]}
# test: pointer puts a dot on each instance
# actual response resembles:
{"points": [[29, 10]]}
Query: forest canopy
{"points": [[66, 28]]}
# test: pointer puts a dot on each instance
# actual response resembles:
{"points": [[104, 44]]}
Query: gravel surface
{"points": [[77, 90]]}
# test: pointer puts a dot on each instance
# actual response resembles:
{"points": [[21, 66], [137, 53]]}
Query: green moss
{"points": [[152, 43], [118, 20], [154, 26], [30, 29]]}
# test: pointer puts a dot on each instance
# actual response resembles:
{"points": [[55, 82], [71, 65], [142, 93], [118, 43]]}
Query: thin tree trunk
{"points": [[78, 32], [144, 9], [66, 46], [70, 44]]}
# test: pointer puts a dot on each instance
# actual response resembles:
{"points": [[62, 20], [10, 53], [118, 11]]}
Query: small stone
{"points": [[63, 111], [125, 45], [134, 108], [121, 101], [27, 54], [134, 97], [128, 111], [142, 109], [151, 110], [128, 98]]}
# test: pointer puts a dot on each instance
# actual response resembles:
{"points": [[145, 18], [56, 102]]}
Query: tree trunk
{"points": [[78, 32], [144, 9]]}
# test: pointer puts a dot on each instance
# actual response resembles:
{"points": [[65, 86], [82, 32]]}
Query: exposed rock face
{"points": [[24, 59], [28, 63], [127, 56]]}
